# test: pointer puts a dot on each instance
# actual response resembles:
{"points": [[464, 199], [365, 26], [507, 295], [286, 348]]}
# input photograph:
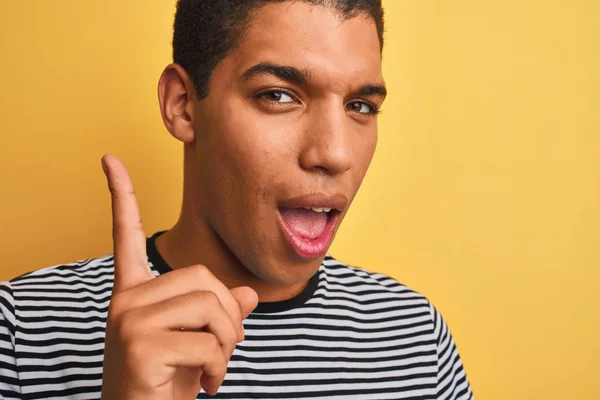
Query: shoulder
{"points": [[90, 267], [341, 273], [58, 302], [90, 270], [59, 284], [377, 292], [370, 287]]}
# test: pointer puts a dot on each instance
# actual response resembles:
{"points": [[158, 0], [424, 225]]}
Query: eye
{"points": [[362, 107], [277, 96]]}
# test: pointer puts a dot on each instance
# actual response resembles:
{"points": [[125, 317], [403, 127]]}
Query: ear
{"points": [[176, 94]]}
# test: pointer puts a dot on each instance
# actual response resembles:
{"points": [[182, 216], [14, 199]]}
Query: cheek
{"points": [[364, 151], [244, 156]]}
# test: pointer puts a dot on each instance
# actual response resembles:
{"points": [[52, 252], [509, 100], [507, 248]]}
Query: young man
{"points": [[275, 103]]}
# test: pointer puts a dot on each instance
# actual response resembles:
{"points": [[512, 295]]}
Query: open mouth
{"points": [[309, 229]]}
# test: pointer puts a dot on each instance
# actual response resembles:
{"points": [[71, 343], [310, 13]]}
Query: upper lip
{"points": [[314, 200]]}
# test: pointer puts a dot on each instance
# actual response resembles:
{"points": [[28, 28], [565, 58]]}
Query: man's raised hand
{"points": [[166, 337]]}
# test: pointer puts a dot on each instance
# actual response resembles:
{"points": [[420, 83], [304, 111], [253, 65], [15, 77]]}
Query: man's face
{"points": [[289, 122]]}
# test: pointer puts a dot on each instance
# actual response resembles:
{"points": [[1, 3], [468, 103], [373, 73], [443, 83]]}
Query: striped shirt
{"points": [[351, 334]]}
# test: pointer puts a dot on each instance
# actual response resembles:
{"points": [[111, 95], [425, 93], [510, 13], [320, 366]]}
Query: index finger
{"points": [[129, 239]]}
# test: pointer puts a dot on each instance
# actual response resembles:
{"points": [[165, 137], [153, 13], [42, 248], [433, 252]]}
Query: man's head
{"points": [[276, 103]]}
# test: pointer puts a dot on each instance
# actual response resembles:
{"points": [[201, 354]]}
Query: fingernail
{"points": [[103, 166]]}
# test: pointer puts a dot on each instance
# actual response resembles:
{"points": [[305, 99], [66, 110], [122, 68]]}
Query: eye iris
{"points": [[358, 106], [275, 96]]}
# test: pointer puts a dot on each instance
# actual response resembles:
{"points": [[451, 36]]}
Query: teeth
{"points": [[318, 209]]}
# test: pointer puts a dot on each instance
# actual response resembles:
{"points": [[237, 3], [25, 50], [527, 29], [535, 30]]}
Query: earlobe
{"points": [[175, 95]]}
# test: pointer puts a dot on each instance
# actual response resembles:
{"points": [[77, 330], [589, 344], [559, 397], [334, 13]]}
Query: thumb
{"points": [[247, 300]]}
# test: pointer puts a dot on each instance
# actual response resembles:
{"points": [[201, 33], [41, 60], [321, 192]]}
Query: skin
{"points": [[166, 337], [245, 152]]}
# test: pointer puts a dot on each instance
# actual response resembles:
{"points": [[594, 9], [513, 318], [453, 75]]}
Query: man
{"points": [[275, 103]]}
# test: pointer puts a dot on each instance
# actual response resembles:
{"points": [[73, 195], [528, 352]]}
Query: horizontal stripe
{"points": [[360, 335]]}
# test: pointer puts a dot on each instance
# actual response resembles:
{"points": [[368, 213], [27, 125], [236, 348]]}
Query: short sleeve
{"points": [[9, 379], [452, 382]]}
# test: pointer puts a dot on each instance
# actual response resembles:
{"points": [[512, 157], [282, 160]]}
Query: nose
{"points": [[327, 143]]}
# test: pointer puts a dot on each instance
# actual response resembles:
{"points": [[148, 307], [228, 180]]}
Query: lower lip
{"points": [[307, 248]]}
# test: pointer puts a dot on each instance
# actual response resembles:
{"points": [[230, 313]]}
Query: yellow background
{"points": [[484, 193]]}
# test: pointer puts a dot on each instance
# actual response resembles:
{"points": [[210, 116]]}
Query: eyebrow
{"points": [[301, 77], [285, 72], [367, 90]]}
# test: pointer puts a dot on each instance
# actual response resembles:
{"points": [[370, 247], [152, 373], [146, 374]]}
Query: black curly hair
{"points": [[206, 30]]}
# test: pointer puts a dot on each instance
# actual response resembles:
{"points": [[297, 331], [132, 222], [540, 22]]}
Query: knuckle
{"points": [[119, 232], [136, 350], [213, 346], [208, 296], [229, 347], [135, 346], [198, 272], [116, 302], [231, 338], [209, 300], [126, 325]]}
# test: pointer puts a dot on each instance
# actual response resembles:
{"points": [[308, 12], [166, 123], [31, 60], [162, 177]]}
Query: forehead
{"points": [[311, 37]]}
